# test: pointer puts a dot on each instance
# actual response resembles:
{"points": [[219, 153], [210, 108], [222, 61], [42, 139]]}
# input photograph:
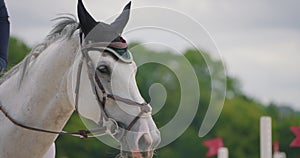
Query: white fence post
{"points": [[279, 155], [265, 137], [223, 152]]}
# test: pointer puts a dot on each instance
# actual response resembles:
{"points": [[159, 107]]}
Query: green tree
{"points": [[17, 50]]}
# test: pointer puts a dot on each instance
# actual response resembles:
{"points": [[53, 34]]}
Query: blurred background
{"points": [[259, 44]]}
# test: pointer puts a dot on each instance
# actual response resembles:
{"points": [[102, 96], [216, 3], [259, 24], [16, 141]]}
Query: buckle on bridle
{"points": [[145, 108]]}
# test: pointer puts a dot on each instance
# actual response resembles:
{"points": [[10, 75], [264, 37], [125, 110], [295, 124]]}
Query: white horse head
{"points": [[118, 94], [92, 72]]}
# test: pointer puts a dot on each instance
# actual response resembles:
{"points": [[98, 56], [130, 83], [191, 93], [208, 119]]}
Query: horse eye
{"points": [[103, 69]]}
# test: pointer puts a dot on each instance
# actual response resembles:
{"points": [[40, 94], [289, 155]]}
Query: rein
{"points": [[109, 125], [79, 133]]}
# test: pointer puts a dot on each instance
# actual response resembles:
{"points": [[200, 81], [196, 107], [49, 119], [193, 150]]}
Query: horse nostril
{"points": [[145, 142]]}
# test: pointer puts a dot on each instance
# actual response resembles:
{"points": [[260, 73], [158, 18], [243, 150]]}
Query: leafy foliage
{"points": [[17, 51], [238, 124]]}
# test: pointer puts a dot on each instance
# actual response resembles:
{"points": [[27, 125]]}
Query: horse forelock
{"points": [[63, 29]]}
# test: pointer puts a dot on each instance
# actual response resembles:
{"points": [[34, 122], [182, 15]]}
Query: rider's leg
{"points": [[4, 35]]}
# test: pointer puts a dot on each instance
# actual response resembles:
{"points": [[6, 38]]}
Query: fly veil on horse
{"points": [[83, 66]]}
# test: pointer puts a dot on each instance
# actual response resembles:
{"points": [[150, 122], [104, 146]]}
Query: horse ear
{"points": [[119, 24], [87, 22]]}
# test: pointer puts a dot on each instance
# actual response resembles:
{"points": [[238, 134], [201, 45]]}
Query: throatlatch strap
{"points": [[78, 84]]}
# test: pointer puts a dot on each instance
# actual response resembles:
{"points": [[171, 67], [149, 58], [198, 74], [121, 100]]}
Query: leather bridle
{"points": [[94, 77], [109, 125]]}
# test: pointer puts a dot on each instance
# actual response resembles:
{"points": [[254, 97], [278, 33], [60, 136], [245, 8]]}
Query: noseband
{"points": [[109, 125]]}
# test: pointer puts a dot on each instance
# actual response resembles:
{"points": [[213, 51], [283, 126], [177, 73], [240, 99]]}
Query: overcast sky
{"points": [[259, 40]]}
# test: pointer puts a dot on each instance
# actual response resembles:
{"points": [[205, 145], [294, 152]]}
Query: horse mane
{"points": [[63, 29]]}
